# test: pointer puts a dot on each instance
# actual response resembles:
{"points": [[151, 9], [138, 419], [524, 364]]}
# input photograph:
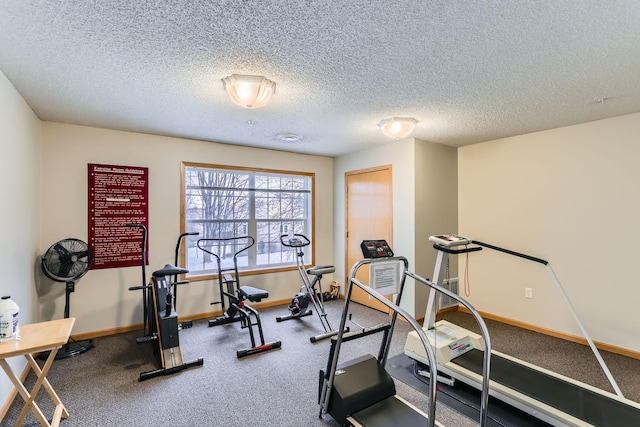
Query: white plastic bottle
{"points": [[9, 325]]}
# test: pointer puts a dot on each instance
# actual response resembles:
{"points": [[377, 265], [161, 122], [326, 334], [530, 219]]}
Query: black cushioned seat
{"points": [[319, 270], [253, 294], [169, 270]]}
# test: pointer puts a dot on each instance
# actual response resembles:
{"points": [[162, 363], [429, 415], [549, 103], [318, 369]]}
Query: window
{"points": [[222, 202]]}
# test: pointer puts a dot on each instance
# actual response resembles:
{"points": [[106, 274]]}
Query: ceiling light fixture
{"points": [[397, 127], [249, 91]]}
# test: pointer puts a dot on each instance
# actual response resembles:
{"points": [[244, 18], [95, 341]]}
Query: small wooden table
{"points": [[37, 338]]}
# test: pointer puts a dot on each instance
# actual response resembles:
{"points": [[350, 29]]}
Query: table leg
{"points": [[47, 385], [29, 398], [23, 393]]}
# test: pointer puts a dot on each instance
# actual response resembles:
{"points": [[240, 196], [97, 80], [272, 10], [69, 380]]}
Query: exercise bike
{"points": [[160, 315], [234, 297], [308, 292]]}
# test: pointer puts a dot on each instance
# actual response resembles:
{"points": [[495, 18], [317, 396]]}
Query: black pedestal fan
{"points": [[67, 261]]}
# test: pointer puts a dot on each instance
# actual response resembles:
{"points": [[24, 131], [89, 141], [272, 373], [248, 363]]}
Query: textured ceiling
{"points": [[469, 71]]}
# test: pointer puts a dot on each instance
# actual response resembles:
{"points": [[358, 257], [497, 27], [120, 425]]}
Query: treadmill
{"points": [[553, 398], [360, 392]]}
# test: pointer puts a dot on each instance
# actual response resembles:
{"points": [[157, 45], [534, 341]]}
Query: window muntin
{"points": [[223, 202]]}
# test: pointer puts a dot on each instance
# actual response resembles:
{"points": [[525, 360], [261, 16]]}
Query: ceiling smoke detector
{"points": [[289, 137]]}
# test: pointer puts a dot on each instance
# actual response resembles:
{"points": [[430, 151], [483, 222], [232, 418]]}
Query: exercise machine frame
{"points": [[176, 282], [233, 296], [299, 304], [164, 326], [161, 317], [144, 286], [370, 379]]}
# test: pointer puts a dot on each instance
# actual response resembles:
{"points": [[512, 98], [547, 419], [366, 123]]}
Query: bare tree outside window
{"points": [[224, 203]]}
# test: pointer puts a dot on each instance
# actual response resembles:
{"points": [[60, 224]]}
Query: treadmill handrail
{"points": [[510, 252], [567, 301], [396, 310], [484, 331]]}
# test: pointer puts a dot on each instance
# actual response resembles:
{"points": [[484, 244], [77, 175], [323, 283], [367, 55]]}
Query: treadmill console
{"points": [[449, 240], [376, 249]]}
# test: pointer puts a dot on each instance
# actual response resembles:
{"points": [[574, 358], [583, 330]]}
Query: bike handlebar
{"points": [[250, 242], [295, 240]]}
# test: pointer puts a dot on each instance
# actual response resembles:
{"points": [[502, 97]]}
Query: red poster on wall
{"points": [[118, 195]]}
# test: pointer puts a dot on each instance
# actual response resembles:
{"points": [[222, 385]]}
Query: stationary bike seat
{"points": [[169, 270], [319, 270], [253, 294]]}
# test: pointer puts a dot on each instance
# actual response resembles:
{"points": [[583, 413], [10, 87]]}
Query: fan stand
{"points": [[72, 347]]}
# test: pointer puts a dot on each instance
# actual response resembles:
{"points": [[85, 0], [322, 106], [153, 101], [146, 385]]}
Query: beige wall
{"points": [[570, 196], [102, 299], [436, 208], [20, 136]]}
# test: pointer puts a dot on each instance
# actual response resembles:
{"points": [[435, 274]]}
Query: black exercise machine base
{"points": [[223, 320], [258, 349], [168, 371], [294, 316]]}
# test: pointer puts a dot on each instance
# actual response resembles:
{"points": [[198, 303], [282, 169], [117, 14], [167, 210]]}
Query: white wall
{"points": [[569, 196], [102, 300], [20, 136]]}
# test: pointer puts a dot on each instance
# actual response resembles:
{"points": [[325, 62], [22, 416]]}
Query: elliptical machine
{"points": [[158, 302], [308, 292]]}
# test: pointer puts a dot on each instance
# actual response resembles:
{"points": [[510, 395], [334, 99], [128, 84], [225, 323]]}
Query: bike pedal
{"points": [[141, 340]]}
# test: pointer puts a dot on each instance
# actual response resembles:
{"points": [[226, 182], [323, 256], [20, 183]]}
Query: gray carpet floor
{"points": [[276, 388]]}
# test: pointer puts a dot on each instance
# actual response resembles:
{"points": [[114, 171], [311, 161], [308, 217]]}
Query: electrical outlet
{"points": [[528, 292]]}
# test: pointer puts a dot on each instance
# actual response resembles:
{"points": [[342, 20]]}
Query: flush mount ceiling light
{"points": [[397, 127], [249, 91]]}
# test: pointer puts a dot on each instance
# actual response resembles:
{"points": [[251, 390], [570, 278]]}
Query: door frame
{"points": [[388, 167]]}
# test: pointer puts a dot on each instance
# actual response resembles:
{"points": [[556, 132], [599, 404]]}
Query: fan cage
{"points": [[67, 260]]}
